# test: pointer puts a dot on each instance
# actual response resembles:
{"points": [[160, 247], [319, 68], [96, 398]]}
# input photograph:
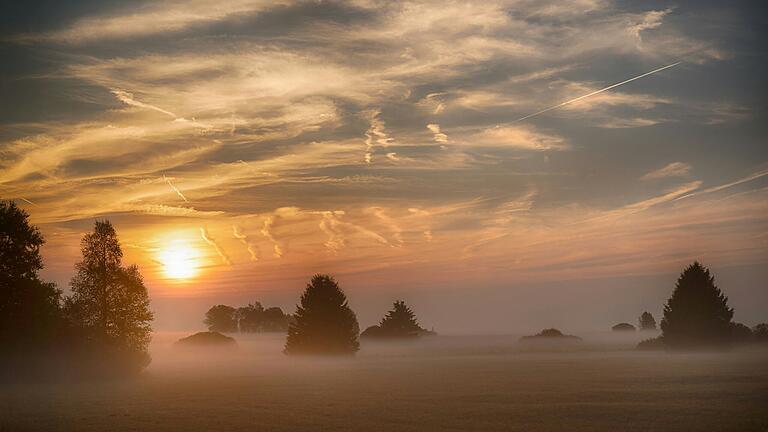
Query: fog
{"points": [[446, 382]]}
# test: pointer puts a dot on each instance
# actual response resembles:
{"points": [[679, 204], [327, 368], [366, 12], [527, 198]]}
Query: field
{"points": [[453, 383]]}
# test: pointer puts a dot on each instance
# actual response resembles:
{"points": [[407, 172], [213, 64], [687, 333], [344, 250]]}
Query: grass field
{"points": [[453, 383]]}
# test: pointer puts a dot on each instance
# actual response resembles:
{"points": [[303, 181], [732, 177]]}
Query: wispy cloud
{"points": [[212, 242], [674, 169], [239, 234], [175, 189]]}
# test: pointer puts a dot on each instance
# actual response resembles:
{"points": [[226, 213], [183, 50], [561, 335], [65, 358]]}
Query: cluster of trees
{"points": [[697, 315], [247, 319], [102, 327], [645, 322]]}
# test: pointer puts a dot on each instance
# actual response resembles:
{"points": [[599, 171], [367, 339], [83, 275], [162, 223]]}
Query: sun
{"points": [[179, 262]]}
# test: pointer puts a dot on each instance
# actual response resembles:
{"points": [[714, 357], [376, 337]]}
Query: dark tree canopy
{"points": [[647, 321], [221, 318], [324, 323], [109, 301], [760, 333], [697, 314], [400, 322], [29, 307]]}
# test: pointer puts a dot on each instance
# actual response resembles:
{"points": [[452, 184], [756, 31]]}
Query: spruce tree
{"points": [[399, 322], [647, 321], [324, 323], [697, 314]]}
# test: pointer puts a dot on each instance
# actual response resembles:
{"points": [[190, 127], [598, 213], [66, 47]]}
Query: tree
{"points": [[324, 323], [647, 321], [249, 318], [697, 314], [109, 302], [741, 334], [760, 333], [29, 307], [221, 318], [400, 322], [275, 320]]}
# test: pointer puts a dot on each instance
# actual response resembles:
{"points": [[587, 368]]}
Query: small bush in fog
{"points": [[653, 344], [324, 323], [551, 333], [623, 327], [697, 314], [207, 339]]}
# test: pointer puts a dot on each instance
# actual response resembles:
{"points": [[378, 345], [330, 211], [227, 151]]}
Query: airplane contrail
{"points": [[596, 92], [175, 189], [27, 201]]}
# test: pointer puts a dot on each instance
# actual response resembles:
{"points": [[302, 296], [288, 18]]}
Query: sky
{"points": [[407, 148]]}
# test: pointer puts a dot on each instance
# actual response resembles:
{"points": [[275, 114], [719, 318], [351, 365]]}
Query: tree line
{"points": [[102, 327], [253, 318]]}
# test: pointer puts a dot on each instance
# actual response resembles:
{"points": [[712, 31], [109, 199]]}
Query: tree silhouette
{"points": [[760, 333], [647, 321], [697, 314], [400, 322], [324, 323], [109, 302], [221, 318], [29, 307], [275, 320], [249, 317]]}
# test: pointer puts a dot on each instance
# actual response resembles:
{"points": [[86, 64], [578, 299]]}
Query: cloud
{"points": [[175, 189], [742, 180], [212, 242], [438, 136], [520, 137], [239, 234], [128, 99], [674, 169], [375, 135], [266, 231]]}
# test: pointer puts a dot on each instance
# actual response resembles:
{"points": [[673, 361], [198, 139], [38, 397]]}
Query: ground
{"points": [[446, 383]]}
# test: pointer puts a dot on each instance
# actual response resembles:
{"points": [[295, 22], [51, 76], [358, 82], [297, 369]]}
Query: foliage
{"points": [[740, 333], [653, 344], [647, 321], [550, 333], [29, 308], [207, 339], [623, 327], [109, 305], [221, 318], [760, 333], [400, 322], [324, 323], [697, 314], [247, 319]]}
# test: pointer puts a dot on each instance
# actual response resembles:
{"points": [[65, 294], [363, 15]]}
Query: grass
{"points": [[444, 383]]}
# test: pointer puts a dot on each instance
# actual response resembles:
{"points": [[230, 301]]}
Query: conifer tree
{"points": [[647, 321], [399, 322], [324, 323], [697, 314]]}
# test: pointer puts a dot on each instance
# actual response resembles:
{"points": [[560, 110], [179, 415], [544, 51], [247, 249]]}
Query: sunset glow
{"points": [[179, 262]]}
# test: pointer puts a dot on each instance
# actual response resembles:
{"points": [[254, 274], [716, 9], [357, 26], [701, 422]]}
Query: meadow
{"points": [[453, 383]]}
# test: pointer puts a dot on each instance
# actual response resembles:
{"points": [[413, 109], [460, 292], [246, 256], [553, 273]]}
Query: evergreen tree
{"points": [[109, 302], [647, 321], [697, 314], [400, 322], [324, 323]]}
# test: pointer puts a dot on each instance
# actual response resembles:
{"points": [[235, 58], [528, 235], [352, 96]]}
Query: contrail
{"points": [[27, 201], [175, 189], [595, 92]]}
